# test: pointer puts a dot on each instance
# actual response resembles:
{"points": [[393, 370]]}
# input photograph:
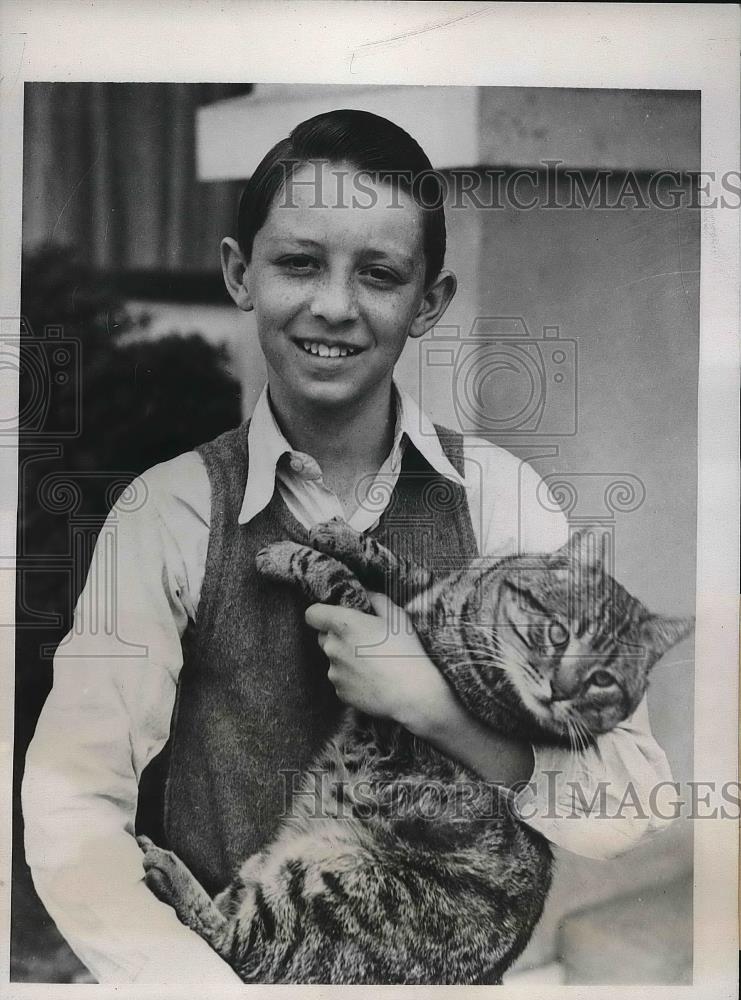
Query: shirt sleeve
{"points": [[107, 716], [511, 510], [596, 803]]}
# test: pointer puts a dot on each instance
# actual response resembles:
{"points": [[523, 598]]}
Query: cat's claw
{"points": [[336, 537], [165, 875], [274, 561]]}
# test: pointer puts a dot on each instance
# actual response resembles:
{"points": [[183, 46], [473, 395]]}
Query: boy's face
{"points": [[338, 289]]}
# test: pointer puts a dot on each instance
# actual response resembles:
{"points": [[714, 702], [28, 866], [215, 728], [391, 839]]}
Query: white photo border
{"points": [[591, 45]]}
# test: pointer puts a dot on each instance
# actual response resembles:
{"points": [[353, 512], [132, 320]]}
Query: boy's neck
{"points": [[346, 442]]}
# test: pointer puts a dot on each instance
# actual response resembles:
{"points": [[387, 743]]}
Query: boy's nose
{"points": [[334, 302]]}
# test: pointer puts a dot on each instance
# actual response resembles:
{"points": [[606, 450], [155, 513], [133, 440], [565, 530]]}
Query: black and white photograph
{"points": [[372, 524]]}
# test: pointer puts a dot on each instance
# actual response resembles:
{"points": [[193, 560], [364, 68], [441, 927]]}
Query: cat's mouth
{"points": [[537, 699], [555, 717]]}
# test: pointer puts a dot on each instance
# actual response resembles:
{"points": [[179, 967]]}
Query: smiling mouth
{"points": [[322, 350]]}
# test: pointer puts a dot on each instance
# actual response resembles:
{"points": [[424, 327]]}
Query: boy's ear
{"points": [[234, 270], [436, 300]]}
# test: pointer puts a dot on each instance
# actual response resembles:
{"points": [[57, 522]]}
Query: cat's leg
{"points": [[320, 577], [375, 565], [171, 882], [229, 900]]}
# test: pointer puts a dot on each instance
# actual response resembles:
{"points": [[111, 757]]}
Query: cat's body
{"points": [[396, 864]]}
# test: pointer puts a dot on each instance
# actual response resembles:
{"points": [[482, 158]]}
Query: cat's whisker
{"points": [[570, 732], [584, 725], [578, 735], [578, 745], [455, 642], [582, 731], [578, 731]]}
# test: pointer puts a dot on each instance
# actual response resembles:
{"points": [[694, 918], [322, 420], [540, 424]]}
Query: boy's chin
{"points": [[337, 393], [334, 397]]}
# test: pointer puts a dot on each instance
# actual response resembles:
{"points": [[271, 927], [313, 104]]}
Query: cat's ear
{"points": [[660, 633], [584, 547]]}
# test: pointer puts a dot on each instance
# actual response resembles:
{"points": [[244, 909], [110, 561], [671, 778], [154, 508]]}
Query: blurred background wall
{"points": [[142, 181]]}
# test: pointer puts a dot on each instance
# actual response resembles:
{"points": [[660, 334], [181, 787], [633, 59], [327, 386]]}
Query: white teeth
{"points": [[325, 351]]}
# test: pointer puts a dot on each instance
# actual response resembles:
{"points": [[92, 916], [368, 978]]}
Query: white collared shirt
{"points": [[299, 476], [108, 714]]}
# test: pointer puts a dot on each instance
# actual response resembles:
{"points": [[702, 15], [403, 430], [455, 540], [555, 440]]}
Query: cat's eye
{"points": [[558, 634], [601, 679]]}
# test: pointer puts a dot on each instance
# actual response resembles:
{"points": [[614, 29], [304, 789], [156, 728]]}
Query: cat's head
{"points": [[575, 647]]}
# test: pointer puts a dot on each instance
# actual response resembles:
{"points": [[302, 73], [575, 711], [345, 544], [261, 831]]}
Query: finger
{"points": [[334, 676], [324, 617], [331, 646], [330, 618], [382, 605]]}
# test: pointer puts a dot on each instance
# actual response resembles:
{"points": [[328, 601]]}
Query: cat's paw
{"points": [[336, 538], [164, 874], [276, 561]]}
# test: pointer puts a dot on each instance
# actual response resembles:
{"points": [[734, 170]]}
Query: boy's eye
{"points": [[383, 274], [299, 262]]}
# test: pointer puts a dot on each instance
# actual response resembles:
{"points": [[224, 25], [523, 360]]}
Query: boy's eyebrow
{"points": [[296, 241], [371, 254], [397, 255]]}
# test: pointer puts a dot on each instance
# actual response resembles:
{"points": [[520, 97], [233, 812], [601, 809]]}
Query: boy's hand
{"points": [[378, 664]]}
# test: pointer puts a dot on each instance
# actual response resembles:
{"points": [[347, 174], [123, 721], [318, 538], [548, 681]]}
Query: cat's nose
{"points": [[564, 682], [558, 694]]}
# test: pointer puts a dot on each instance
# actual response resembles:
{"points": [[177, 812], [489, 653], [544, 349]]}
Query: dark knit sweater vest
{"points": [[254, 705]]}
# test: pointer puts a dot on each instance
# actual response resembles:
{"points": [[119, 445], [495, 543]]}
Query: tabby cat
{"points": [[399, 865]]}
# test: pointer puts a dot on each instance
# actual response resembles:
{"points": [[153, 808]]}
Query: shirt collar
{"points": [[420, 430], [267, 445]]}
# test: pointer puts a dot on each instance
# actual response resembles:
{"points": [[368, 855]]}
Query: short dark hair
{"points": [[367, 142]]}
